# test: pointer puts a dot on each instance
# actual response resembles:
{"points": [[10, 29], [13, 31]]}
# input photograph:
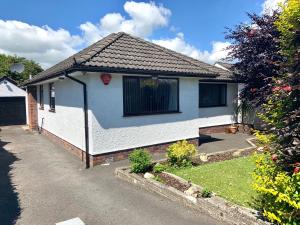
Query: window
{"points": [[212, 95], [41, 97], [52, 97], [144, 95]]}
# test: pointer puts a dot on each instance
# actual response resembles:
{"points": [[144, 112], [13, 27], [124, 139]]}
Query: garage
{"points": [[12, 111], [12, 103]]}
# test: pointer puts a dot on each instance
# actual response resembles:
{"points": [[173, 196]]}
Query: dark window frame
{"points": [[41, 96], [216, 105], [51, 99], [126, 114]]}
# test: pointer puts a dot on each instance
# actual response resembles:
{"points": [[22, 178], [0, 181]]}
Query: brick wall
{"points": [[213, 129], [222, 128], [66, 145], [32, 107], [123, 154], [107, 157]]}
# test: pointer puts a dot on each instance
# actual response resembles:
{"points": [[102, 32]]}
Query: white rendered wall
{"points": [[8, 89], [111, 131], [67, 122]]}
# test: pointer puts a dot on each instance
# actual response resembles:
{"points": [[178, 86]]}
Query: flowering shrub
{"points": [[279, 192], [180, 153]]}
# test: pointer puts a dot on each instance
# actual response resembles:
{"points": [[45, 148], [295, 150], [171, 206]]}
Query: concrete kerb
{"points": [[215, 206]]}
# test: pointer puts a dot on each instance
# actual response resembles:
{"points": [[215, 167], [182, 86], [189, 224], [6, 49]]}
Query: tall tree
{"points": [[256, 50], [31, 67]]}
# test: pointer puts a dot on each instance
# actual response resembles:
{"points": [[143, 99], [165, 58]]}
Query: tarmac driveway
{"points": [[40, 183]]}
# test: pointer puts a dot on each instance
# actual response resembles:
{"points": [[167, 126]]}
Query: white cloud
{"points": [[144, 18], [178, 44], [270, 5], [48, 46], [42, 44]]}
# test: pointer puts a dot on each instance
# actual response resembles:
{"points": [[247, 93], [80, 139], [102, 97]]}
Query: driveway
{"points": [[40, 183]]}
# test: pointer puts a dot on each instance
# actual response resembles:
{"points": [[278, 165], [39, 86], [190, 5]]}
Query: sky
{"points": [[48, 31]]}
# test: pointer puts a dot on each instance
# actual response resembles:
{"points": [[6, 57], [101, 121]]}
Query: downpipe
{"points": [[86, 126]]}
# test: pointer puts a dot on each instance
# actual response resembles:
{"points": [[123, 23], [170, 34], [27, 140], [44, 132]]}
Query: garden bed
{"points": [[191, 193]]}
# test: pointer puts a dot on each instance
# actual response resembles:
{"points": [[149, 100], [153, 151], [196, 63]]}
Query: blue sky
{"points": [[52, 30]]}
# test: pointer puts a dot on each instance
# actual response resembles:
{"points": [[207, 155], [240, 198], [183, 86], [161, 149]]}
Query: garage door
{"points": [[12, 111]]}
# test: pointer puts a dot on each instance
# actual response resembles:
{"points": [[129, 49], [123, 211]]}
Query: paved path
{"points": [[223, 142], [42, 184]]}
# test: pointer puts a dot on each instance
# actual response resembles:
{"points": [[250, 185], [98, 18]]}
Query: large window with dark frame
{"points": [[212, 95], [147, 95], [41, 96], [52, 97]]}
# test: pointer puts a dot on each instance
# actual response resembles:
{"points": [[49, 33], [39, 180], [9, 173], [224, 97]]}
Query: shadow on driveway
{"points": [[9, 202]]}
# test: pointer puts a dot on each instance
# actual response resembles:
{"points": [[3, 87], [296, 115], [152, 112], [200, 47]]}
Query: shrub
{"points": [[180, 153], [140, 161], [264, 139], [206, 193], [158, 168], [278, 192]]}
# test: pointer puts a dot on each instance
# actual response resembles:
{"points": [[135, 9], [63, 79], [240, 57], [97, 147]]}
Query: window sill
{"points": [[215, 106], [152, 114], [52, 110]]}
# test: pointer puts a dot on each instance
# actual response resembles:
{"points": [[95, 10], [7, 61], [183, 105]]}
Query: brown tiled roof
{"points": [[121, 52]]}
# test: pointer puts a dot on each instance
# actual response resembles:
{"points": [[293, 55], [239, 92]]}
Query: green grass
{"points": [[229, 179]]}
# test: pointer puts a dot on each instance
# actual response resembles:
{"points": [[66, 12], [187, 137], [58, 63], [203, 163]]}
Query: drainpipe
{"points": [[86, 123]]}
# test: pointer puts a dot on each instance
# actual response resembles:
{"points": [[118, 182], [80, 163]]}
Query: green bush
{"points": [[206, 193], [180, 153], [158, 168], [278, 191], [140, 161]]}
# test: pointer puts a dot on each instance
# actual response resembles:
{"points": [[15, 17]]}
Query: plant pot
{"points": [[232, 129]]}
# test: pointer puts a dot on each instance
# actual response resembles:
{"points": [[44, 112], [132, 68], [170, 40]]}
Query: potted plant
{"points": [[243, 112], [232, 129]]}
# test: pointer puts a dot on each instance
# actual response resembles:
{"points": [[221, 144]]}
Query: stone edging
{"points": [[215, 206]]}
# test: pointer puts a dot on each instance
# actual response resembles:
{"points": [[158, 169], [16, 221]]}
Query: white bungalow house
{"points": [[12, 103], [123, 93]]}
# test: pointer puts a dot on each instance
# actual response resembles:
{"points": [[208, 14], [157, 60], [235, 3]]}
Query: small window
{"points": [[145, 95], [41, 97], [52, 97], [212, 95]]}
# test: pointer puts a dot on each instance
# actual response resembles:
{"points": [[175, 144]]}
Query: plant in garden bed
{"points": [[158, 168], [206, 193], [140, 161], [180, 154], [279, 193]]}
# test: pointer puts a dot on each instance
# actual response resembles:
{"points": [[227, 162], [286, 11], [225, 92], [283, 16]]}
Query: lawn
{"points": [[230, 179]]}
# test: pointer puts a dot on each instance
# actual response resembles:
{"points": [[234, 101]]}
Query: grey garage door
{"points": [[12, 111]]}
